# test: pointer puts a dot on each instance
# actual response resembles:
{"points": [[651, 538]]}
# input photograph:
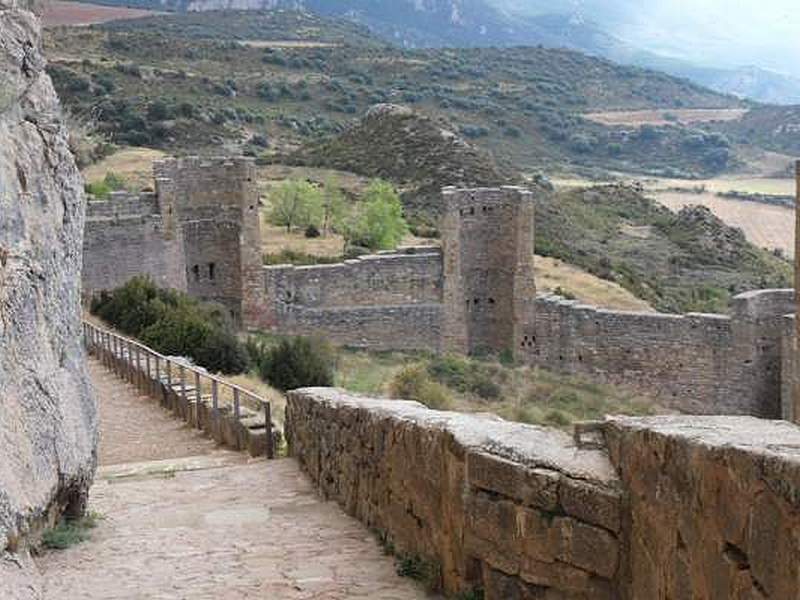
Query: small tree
{"points": [[383, 226], [296, 203], [349, 223], [333, 204]]}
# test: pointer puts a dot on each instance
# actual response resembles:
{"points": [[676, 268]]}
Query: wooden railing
{"points": [[229, 413]]}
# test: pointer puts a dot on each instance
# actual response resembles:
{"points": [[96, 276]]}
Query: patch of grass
{"points": [[70, 532], [414, 383], [425, 571], [473, 594]]}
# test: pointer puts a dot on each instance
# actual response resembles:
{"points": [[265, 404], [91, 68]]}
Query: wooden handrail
{"points": [[130, 351]]}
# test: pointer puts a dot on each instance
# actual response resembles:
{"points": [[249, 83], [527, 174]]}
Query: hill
{"points": [[277, 79], [591, 28], [420, 154], [689, 261]]}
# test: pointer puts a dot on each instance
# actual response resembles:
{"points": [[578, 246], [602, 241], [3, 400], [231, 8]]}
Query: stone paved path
{"points": [[183, 519]]}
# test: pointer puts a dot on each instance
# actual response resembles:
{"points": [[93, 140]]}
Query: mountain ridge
{"points": [[486, 23]]}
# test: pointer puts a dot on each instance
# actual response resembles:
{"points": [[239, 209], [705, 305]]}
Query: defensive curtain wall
{"points": [[199, 232]]}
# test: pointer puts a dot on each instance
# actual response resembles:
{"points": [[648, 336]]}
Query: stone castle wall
{"points": [[696, 363], [659, 507], [385, 301], [200, 233], [125, 237]]}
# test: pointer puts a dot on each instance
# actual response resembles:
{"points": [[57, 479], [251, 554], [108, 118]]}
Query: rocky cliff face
{"points": [[48, 419]]}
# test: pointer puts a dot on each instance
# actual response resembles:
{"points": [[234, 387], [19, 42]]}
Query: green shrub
{"points": [[419, 569], [173, 323], [110, 183], [69, 532], [464, 375], [414, 383], [294, 363]]}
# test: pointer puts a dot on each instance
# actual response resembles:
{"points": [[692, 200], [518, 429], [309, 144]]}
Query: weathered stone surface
{"points": [[463, 490], [714, 506], [47, 413], [678, 507]]}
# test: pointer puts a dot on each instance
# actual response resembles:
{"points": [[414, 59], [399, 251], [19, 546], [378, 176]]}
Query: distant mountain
{"points": [[503, 23]]}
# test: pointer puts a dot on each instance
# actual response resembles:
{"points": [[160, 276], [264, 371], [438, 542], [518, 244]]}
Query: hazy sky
{"points": [[764, 33]]}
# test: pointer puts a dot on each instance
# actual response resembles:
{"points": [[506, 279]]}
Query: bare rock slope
{"points": [[48, 420]]}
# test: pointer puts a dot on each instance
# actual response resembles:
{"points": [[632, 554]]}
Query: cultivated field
{"points": [[766, 226], [65, 13], [688, 116]]}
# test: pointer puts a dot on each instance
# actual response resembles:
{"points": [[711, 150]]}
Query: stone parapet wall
{"points": [[695, 363], [386, 301], [404, 277], [659, 507], [403, 327], [125, 238], [515, 509], [713, 507], [122, 204]]}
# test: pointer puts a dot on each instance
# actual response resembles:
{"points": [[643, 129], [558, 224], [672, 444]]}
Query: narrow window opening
{"points": [[196, 271], [211, 269]]}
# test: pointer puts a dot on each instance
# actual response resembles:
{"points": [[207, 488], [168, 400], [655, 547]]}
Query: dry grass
{"points": [[746, 184], [252, 383], [59, 12], [270, 176], [135, 165], [552, 274], [637, 118], [524, 394]]}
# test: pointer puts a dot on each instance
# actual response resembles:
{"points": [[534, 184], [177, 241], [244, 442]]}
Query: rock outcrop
{"points": [[48, 418]]}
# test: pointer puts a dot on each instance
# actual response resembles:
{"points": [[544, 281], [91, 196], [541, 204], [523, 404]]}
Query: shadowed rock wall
{"points": [[48, 419], [660, 507]]}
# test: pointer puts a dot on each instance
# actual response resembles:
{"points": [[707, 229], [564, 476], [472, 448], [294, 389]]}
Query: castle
{"points": [[199, 232]]}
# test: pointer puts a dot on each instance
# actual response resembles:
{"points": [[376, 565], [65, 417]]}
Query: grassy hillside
{"points": [[775, 128], [689, 261], [268, 82]]}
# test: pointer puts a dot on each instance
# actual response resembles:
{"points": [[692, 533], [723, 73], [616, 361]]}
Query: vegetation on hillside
{"points": [[689, 261], [190, 82]]}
